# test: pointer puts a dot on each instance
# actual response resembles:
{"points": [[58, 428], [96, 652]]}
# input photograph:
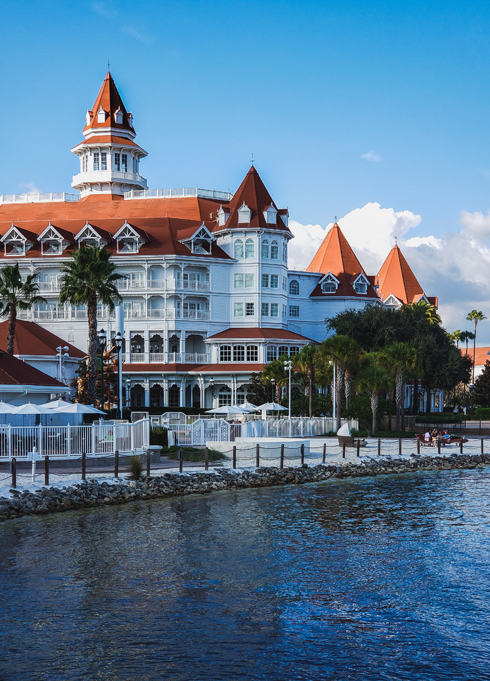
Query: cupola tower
{"points": [[109, 157]]}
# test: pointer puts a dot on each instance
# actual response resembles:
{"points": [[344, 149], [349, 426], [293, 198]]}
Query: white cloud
{"points": [[454, 267], [31, 188], [138, 35], [371, 156]]}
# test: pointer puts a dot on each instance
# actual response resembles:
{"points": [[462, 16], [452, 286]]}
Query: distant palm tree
{"points": [[456, 336], [305, 361], [466, 336], [275, 374], [375, 380], [400, 359], [476, 317], [88, 278], [339, 350], [16, 294]]}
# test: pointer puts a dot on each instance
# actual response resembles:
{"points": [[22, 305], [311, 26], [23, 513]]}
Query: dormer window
{"points": [[244, 215], [238, 249], [284, 215], [15, 243], [129, 239], [270, 214], [200, 242], [222, 216], [361, 284], [130, 119], [118, 117], [88, 236], [52, 242], [88, 117], [329, 283], [101, 116]]}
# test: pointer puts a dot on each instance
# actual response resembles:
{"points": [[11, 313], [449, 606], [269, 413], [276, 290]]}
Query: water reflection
{"points": [[366, 579]]}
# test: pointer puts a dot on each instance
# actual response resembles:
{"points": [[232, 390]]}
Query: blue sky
{"points": [[342, 104]]}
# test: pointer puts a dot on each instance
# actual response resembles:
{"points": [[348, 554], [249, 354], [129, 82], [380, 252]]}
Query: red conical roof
{"points": [[335, 255], [253, 193], [110, 101], [396, 277]]}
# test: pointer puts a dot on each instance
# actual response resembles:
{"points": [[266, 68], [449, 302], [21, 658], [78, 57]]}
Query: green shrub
{"points": [[135, 467], [482, 413], [441, 418], [159, 436], [192, 453]]}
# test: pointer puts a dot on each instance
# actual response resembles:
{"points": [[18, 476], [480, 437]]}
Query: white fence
{"points": [[72, 441], [218, 430]]}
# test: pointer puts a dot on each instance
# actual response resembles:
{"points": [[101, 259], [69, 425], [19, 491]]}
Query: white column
{"points": [[182, 392]]}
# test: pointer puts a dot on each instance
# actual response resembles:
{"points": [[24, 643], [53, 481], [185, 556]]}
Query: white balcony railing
{"points": [[157, 357], [174, 358], [128, 285], [137, 357], [156, 313], [38, 198], [81, 315], [184, 285], [49, 286], [196, 358], [178, 193], [156, 284], [107, 176]]}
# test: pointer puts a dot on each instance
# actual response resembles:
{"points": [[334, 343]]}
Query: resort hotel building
{"points": [[208, 296]]}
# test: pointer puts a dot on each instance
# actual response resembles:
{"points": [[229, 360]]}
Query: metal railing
{"points": [[177, 193], [38, 198], [72, 441]]}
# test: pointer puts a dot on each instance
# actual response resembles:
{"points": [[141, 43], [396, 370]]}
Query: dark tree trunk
{"points": [[311, 397], [374, 409], [92, 349], [11, 330], [340, 381]]}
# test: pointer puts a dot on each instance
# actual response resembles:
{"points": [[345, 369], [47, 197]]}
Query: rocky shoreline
{"points": [[94, 493]]}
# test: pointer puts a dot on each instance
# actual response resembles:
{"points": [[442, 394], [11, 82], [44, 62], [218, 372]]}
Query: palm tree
{"points": [[466, 336], [275, 373], [17, 295], [456, 337], [351, 367], [305, 361], [400, 359], [428, 309], [476, 317], [375, 380], [88, 278], [339, 350]]}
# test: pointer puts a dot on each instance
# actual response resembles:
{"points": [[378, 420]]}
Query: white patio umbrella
{"points": [[77, 408], [6, 408], [248, 406], [229, 409], [271, 406], [54, 404], [30, 408]]}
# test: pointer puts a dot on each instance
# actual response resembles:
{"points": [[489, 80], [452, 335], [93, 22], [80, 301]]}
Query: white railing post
{"points": [[92, 437], [132, 436], [10, 440], [40, 441], [68, 440]]}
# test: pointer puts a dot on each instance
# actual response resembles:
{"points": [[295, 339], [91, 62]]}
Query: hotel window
{"points": [[294, 288], [285, 252], [249, 281], [238, 353], [284, 283], [283, 350], [249, 309], [360, 287], [125, 163], [84, 164], [265, 309], [274, 281], [265, 249], [252, 353], [271, 352], [274, 310], [294, 310], [238, 309], [265, 280], [117, 162], [224, 397], [239, 280], [275, 250], [225, 353], [103, 161], [135, 166], [283, 311], [249, 248], [96, 161], [293, 350], [238, 249]]}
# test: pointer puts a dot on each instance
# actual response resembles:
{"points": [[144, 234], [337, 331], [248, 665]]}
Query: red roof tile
{"points": [[108, 139], [32, 339], [110, 101], [481, 355], [395, 277], [247, 333], [254, 194], [14, 371]]}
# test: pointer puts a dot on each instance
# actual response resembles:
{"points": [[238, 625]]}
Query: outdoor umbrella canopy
{"points": [[6, 408], [228, 409], [248, 406], [271, 406], [29, 408], [77, 408], [55, 404]]}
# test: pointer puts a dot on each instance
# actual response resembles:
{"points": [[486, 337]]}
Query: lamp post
{"points": [[60, 350], [128, 391], [334, 389], [211, 385], [118, 339], [288, 365], [102, 345], [273, 384]]}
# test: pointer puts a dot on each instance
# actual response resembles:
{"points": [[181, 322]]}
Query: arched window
{"points": [[249, 248], [265, 249], [238, 248], [285, 252], [294, 288], [252, 353], [156, 396], [225, 353], [274, 250], [174, 396], [238, 353], [224, 396]]}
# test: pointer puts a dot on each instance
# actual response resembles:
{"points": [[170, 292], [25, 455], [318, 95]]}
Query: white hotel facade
{"points": [[208, 296]]}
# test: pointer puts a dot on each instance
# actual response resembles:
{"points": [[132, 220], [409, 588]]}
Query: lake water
{"points": [[384, 578]]}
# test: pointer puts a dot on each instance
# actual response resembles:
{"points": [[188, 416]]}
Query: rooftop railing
{"points": [[178, 193], [38, 198]]}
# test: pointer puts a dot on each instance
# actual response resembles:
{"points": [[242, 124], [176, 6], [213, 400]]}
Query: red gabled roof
{"points": [[482, 355], [336, 256], [108, 139], [395, 277], [110, 101], [32, 339], [14, 371], [253, 193], [247, 333]]}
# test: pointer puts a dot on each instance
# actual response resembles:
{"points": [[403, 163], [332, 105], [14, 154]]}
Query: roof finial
{"points": [[396, 241], [335, 218], [252, 158], [108, 64]]}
